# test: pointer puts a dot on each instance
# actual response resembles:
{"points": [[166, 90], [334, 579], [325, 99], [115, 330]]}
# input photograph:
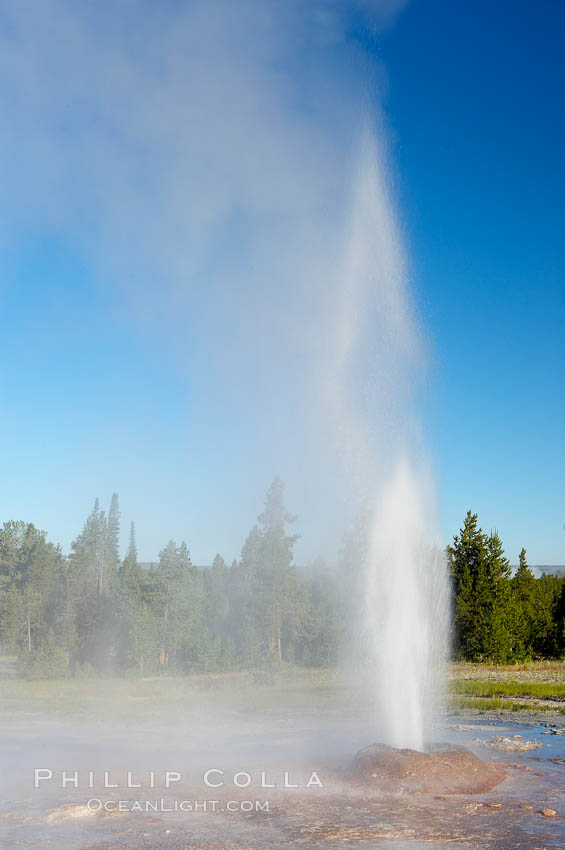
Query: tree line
{"points": [[91, 612], [498, 616]]}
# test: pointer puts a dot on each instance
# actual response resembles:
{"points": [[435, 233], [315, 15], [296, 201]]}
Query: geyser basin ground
{"points": [[440, 769], [299, 724]]}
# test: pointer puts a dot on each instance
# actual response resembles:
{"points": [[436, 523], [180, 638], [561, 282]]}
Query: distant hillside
{"points": [[146, 565], [548, 568], [537, 569]]}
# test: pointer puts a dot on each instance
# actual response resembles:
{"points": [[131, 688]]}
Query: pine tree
{"points": [[547, 639], [485, 615], [243, 591], [137, 636], [131, 573], [324, 618], [132, 548], [524, 589], [177, 601], [352, 563], [28, 576], [92, 585], [559, 618], [276, 575], [113, 536], [89, 551], [500, 641], [467, 559], [216, 612]]}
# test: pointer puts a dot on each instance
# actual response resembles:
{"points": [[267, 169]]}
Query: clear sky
{"points": [[173, 177]]}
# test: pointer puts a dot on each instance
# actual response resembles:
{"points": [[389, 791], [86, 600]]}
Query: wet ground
{"points": [[255, 748]]}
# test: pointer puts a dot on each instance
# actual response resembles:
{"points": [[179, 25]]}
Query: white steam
{"points": [[196, 156], [405, 600]]}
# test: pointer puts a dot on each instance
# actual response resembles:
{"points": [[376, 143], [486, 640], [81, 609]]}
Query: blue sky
{"points": [[474, 105], [173, 187]]}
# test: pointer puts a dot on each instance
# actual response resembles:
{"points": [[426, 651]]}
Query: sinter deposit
{"points": [[441, 769]]}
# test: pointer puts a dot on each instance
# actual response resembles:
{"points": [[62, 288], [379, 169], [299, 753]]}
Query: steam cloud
{"points": [[200, 158]]}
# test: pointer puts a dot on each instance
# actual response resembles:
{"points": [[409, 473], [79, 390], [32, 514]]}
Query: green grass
{"points": [[489, 704], [101, 698], [475, 686], [508, 688], [484, 704], [537, 665]]}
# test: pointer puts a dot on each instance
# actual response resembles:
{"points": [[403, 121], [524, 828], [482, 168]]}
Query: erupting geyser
{"points": [[406, 612], [402, 615]]}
